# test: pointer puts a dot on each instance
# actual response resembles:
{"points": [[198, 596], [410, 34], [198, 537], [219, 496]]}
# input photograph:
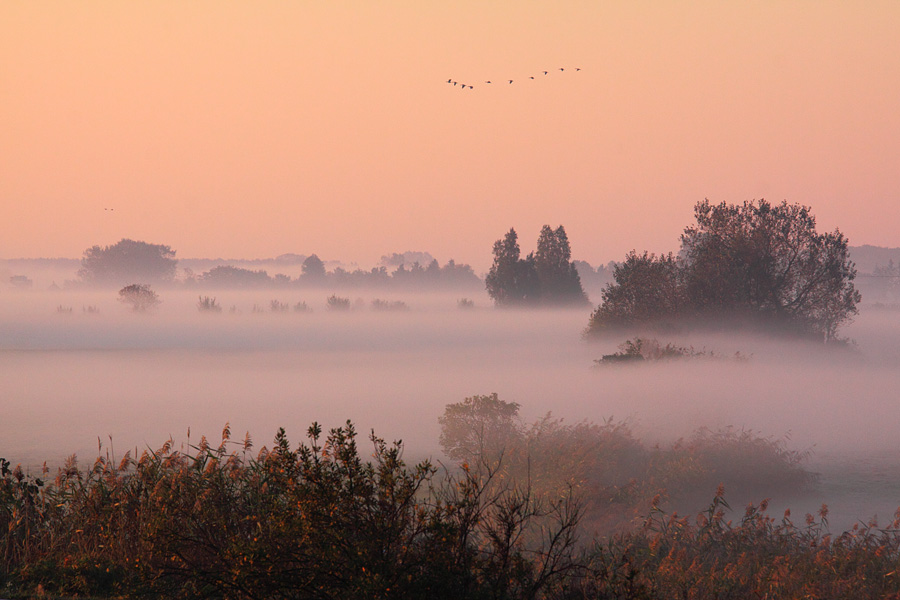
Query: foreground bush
{"points": [[316, 521]]}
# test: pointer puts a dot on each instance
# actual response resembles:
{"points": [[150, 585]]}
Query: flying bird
{"points": [[449, 81], [510, 80], [545, 72], [487, 81], [531, 78], [577, 69], [561, 69]]}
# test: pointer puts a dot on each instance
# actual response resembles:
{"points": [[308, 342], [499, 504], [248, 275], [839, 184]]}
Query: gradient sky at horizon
{"points": [[255, 129]]}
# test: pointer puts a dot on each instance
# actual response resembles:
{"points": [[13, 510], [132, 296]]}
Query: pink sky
{"points": [[251, 129]]}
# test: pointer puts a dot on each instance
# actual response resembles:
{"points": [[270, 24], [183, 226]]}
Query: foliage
{"points": [[558, 277], [465, 303], [301, 306], [479, 426], [708, 556], [388, 305], [337, 303], [754, 263], [278, 307], [139, 296], [128, 260], [207, 304], [227, 276], [313, 269], [512, 280], [617, 474], [641, 349], [315, 521], [646, 290], [547, 276]]}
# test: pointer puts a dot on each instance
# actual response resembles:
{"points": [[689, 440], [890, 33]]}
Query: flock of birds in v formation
{"points": [[466, 85]]}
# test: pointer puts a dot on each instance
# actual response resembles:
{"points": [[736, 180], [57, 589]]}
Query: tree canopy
{"points": [[128, 260], [754, 261], [546, 277]]}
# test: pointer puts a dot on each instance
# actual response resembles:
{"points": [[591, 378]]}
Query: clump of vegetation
{"points": [[546, 277], [90, 310], [207, 304], [387, 305], [622, 474], [316, 520], [64, 310], [319, 520], [302, 307], [257, 309], [278, 307], [709, 556], [465, 304], [337, 303], [756, 264], [139, 297], [649, 349]]}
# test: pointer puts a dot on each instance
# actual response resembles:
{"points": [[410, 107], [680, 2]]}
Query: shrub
{"points": [[207, 304], [140, 297], [385, 305], [338, 304], [465, 304]]}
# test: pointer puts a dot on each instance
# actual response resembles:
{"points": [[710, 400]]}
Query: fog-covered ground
{"points": [[67, 378]]}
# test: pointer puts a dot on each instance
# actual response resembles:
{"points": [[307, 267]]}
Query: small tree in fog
{"points": [[139, 297], [480, 426], [335, 302], [207, 304]]}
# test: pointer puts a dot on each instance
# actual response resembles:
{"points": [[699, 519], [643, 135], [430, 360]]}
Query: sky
{"points": [[253, 129]]}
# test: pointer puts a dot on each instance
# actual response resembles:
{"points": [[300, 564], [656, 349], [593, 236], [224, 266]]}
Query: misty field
{"points": [[133, 381]]}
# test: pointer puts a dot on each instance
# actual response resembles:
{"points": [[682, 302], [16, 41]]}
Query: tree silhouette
{"points": [[139, 297], [512, 280], [128, 260], [313, 269], [557, 275]]}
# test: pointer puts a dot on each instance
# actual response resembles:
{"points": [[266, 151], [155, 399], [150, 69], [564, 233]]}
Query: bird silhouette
{"points": [[510, 80], [531, 78], [470, 87], [449, 81], [487, 81], [577, 69], [545, 72], [454, 83], [561, 69]]}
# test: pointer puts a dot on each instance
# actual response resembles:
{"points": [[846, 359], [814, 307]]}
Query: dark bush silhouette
{"points": [[139, 297]]}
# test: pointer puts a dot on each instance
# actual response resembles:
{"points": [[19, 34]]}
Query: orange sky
{"points": [[251, 129]]}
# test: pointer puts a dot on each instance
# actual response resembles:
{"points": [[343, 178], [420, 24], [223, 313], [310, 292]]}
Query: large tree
{"points": [[557, 275], [512, 280], [128, 260], [645, 291], [754, 261], [768, 260], [546, 277]]}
